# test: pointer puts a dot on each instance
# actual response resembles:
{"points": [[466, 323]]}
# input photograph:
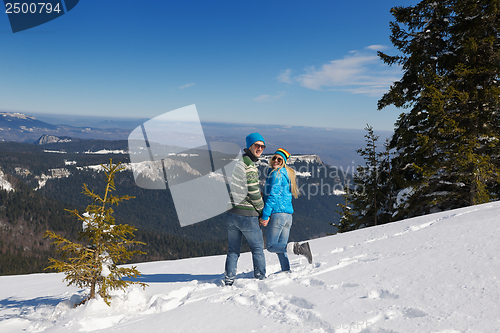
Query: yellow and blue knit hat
{"points": [[282, 152]]}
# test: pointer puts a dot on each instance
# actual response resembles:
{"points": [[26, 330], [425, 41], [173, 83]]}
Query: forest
{"points": [[444, 150]]}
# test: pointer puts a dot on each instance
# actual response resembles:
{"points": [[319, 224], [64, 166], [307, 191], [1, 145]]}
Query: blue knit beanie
{"points": [[253, 138]]}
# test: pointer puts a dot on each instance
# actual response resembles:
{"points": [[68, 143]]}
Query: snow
{"points": [[16, 115], [303, 174], [106, 260], [338, 192], [403, 195], [88, 152], [54, 151], [4, 183], [54, 174], [42, 181], [24, 128], [437, 273], [100, 167], [89, 221], [264, 159], [106, 151]]}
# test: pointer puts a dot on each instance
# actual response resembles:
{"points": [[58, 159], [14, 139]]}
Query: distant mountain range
{"points": [[336, 147], [19, 127]]}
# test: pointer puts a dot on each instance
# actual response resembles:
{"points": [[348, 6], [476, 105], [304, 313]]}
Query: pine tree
{"points": [[366, 202], [93, 263], [367, 178], [477, 98], [386, 211], [347, 217], [445, 144]]}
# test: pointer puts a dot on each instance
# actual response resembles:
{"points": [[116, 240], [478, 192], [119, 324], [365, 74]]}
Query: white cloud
{"points": [[376, 47], [359, 72], [269, 98], [284, 76], [186, 86]]}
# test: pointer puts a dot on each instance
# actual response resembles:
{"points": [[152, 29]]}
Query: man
{"points": [[243, 217]]}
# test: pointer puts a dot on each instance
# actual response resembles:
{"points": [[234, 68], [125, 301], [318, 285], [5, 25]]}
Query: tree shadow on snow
{"points": [[11, 302], [204, 278], [22, 304], [166, 278]]}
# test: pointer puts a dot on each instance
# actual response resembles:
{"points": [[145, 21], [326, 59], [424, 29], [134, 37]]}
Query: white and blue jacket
{"points": [[277, 193]]}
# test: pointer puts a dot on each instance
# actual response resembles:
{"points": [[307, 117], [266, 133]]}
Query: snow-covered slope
{"points": [[435, 273]]}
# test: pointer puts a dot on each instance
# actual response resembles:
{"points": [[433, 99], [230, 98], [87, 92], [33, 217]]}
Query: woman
{"points": [[277, 214]]}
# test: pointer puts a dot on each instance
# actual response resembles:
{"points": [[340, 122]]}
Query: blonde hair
{"points": [[291, 175]]}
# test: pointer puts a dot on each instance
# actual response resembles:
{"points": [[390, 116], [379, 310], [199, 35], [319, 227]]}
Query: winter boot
{"points": [[304, 250]]}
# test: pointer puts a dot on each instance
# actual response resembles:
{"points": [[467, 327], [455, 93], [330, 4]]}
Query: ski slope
{"points": [[437, 273]]}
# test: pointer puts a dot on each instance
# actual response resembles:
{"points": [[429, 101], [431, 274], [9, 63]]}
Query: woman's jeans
{"points": [[248, 226], [277, 232]]}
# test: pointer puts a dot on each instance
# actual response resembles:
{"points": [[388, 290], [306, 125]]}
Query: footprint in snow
{"points": [[414, 313], [381, 294]]}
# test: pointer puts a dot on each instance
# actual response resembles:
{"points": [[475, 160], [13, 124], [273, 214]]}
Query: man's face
{"points": [[257, 148]]}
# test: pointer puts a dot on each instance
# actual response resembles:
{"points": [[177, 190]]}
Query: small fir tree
{"points": [[368, 177], [345, 211], [93, 263], [368, 202]]}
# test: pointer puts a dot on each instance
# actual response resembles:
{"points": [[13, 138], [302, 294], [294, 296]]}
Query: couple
{"points": [[272, 210]]}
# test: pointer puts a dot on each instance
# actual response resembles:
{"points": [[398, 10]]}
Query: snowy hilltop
{"points": [[437, 273]]}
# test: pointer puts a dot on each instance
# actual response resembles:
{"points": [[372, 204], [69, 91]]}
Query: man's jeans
{"points": [[278, 230], [248, 226]]}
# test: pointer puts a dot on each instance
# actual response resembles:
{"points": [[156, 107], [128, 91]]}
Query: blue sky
{"points": [[297, 63]]}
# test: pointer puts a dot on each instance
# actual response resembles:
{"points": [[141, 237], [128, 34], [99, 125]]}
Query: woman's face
{"points": [[276, 161]]}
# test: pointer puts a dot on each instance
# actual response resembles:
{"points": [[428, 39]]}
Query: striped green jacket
{"points": [[246, 198]]}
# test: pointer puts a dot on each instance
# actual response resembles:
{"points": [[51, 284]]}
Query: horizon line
{"points": [[33, 114]]}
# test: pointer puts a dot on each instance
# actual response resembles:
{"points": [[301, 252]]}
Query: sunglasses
{"points": [[276, 158], [257, 146]]}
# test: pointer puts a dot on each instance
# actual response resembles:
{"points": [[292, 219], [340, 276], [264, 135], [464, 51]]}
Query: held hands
{"points": [[263, 222]]}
